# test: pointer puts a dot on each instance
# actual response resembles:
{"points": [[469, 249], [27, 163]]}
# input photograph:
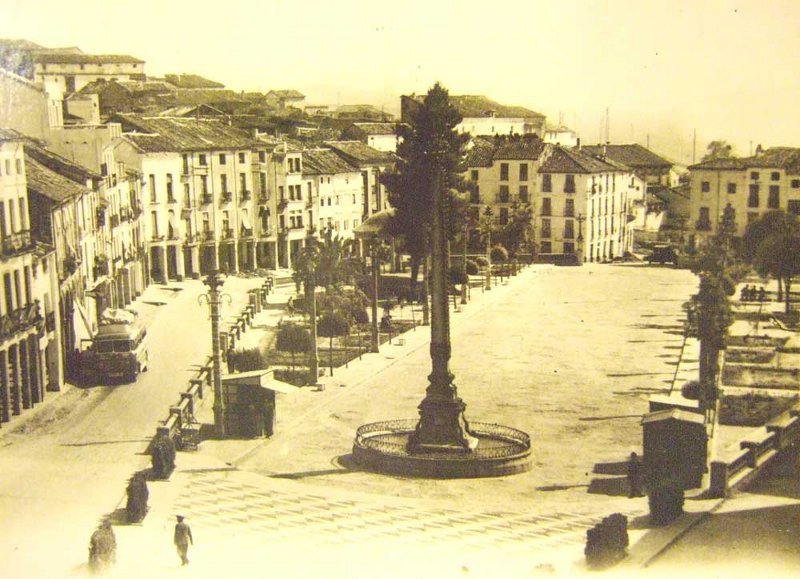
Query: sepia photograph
{"points": [[387, 290]]}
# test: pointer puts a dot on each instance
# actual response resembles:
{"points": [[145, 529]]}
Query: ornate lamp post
{"points": [[214, 299], [442, 426], [487, 214]]}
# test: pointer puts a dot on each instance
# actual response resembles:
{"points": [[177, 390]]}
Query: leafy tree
{"points": [[778, 255], [428, 139], [718, 150], [768, 225], [333, 324], [517, 232], [247, 360], [293, 338], [499, 254]]}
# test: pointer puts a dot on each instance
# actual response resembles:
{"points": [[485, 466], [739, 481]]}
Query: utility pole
{"points": [[694, 147]]}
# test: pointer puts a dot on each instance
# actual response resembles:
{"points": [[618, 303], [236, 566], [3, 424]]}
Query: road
{"points": [[67, 466]]}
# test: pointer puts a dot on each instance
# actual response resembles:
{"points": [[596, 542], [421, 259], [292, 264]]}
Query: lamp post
{"points": [[580, 219], [214, 300], [464, 262], [442, 426], [487, 213]]}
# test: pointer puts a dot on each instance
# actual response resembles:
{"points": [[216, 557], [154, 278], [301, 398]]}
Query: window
{"points": [[242, 181], [473, 174], [569, 184], [202, 159], [280, 192], [569, 229], [263, 184], [206, 221], [732, 188], [752, 199], [223, 159], [187, 196], [705, 186], [546, 247], [795, 183], [8, 166], [475, 195], [704, 216], [774, 199], [154, 223], [152, 183], [204, 184], [523, 171], [754, 175], [775, 175], [19, 166], [262, 156], [792, 206], [242, 158], [169, 186], [503, 215], [502, 196], [185, 164], [546, 207], [523, 193], [223, 183], [569, 208], [569, 247], [547, 183], [545, 228], [504, 171]]}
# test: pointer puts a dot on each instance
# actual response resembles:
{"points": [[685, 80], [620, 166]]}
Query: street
{"points": [[67, 466]]}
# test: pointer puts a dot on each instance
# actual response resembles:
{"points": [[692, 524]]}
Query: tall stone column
{"points": [[16, 380], [5, 390], [25, 374]]}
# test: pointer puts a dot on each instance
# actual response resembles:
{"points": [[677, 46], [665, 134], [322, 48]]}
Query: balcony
{"points": [[296, 226], [702, 225], [246, 196], [206, 199], [190, 239], [226, 197], [157, 237], [172, 235], [171, 199], [227, 233], [207, 236], [114, 221], [186, 212], [246, 233], [19, 320], [101, 217], [100, 267], [265, 233], [16, 243], [524, 198], [125, 214], [263, 199], [282, 204], [569, 213]]}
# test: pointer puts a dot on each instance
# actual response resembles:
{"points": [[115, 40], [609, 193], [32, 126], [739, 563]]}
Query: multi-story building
{"points": [[197, 193], [336, 191], [372, 164], [580, 204], [295, 201], [651, 168], [71, 71], [30, 329], [380, 136], [752, 186], [483, 116], [584, 207]]}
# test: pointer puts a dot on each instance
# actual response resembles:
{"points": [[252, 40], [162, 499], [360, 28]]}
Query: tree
{"points": [[333, 324], [718, 150], [517, 232], [430, 149], [778, 255], [293, 338], [769, 224]]}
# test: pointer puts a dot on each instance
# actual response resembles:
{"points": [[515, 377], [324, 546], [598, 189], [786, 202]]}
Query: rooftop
{"points": [[61, 165], [634, 156], [325, 162], [71, 58], [563, 160], [286, 94], [377, 128], [50, 184], [191, 81], [787, 158], [481, 106], [359, 154], [169, 134], [486, 150]]}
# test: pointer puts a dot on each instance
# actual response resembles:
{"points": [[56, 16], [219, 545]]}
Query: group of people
{"points": [[103, 545], [751, 294]]}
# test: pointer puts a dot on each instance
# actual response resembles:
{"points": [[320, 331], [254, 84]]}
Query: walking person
{"points": [[290, 306], [183, 538], [634, 476]]}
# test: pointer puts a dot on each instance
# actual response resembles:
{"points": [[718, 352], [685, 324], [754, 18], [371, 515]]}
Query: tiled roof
{"points": [[359, 154], [480, 106], [563, 160], [10, 135], [787, 158], [64, 58], [486, 150], [61, 165], [46, 182], [168, 134], [192, 81], [322, 162], [634, 156], [286, 94], [377, 128]]}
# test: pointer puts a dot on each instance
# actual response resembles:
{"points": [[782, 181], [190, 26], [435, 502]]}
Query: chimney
{"points": [[578, 143], [605, 150]]}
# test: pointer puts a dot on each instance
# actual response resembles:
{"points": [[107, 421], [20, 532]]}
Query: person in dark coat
{"points": [[183, 538], [102, 548], [634, 476]]}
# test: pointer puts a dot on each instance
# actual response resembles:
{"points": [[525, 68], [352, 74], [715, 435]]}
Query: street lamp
{"points": [[580, 219], [487, 213], [214, 300]]}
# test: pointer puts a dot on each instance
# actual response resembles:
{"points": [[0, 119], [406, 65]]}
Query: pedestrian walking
{"points": [[290, 306], [102, 548], [183, 538], [634, 476]]}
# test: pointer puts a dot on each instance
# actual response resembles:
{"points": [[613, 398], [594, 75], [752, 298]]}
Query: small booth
{"points": [[249, 402], [667, 402], [675, 446]]}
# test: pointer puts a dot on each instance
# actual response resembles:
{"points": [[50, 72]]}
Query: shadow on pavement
{"points": [[612, 486]]}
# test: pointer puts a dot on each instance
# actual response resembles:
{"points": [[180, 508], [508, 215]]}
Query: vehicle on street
{"points": [[664, 254], [117, 352]]}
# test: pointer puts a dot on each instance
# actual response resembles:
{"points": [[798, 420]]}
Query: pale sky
{"points": [[663, 68]]}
